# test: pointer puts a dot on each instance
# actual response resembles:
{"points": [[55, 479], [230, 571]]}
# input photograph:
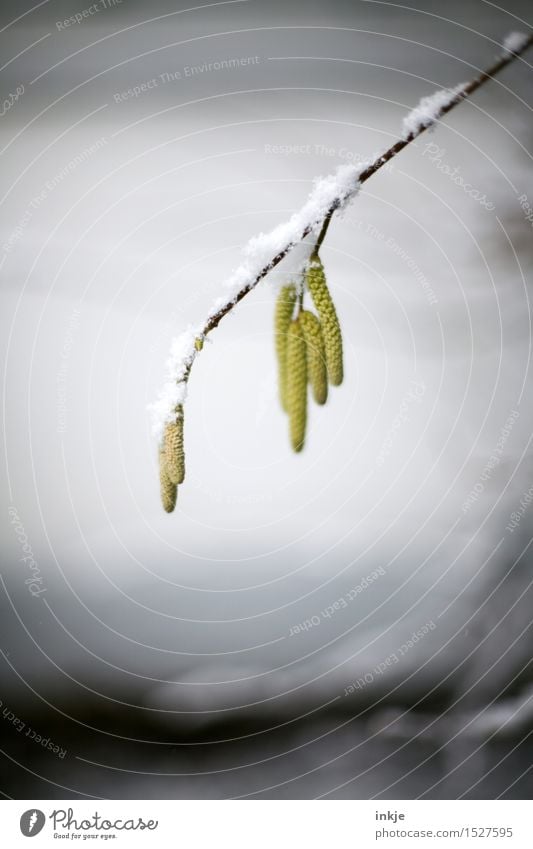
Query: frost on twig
{"points": [[329, 194], [514, 42], [429, 110]]}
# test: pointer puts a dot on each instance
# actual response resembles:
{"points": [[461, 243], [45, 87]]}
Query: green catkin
{"points": [[296, 384], [282, 319], [169, 490], [173, 446], [316, 356], [316, 283]]}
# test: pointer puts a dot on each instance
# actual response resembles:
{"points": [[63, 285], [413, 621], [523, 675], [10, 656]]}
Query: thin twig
{"points": [[466, 91]]}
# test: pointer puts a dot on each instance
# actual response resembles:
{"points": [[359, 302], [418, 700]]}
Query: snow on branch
{"points": [[265, 251], [338, 188], [173, 393]]}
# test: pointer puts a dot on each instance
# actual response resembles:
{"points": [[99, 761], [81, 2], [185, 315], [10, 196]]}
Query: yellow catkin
{"points": [[316, 356], [296, 384], [282, 319], [169, 490], [316, 283], [173, 445]]}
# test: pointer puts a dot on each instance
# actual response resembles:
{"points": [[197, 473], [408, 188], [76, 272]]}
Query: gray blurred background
{"points": [[154, 656]]}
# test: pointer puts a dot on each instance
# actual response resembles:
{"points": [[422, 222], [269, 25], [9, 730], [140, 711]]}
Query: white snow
{"points": [[259, 252], [182, 353], [429, 110], [504, 718], [514, 42], [341, 186]]}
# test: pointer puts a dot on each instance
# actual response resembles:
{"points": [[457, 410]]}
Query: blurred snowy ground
{"points": [[155, 635]]}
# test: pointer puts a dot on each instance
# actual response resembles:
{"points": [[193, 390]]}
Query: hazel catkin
{"points": [[282, 319], [169, 490], [316, 356], [296, 384], [173, 447], [316, 283]]}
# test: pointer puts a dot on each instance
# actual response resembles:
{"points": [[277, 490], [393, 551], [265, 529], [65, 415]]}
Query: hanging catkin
{"points": [[282, 320], [174, 453], [316, 356], [316, 283], [296, 384], [169, 490]]}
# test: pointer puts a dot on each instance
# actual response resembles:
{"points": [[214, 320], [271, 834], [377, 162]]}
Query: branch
{"points": [[465, 91], [317, 213]]}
